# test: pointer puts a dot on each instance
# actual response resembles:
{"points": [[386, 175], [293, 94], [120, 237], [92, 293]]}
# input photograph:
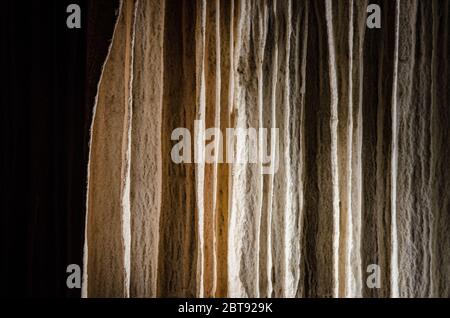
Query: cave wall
{"points": [[363, 148]]}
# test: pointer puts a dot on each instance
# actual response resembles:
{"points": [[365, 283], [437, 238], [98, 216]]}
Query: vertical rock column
{"points": [[146, 141], [351, 234], [422, 203], [320, 224], [107, 251], [440, 150], [244, 215], [212, 66], [178, 242], [295, 154], [349, 24], [378, 102], [226, 45]]}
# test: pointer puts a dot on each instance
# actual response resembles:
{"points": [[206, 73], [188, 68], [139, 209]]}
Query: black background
{"points": [[49, 79]]}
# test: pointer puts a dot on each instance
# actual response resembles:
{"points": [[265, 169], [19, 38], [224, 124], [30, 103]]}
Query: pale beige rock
{"points": [[107, 252], [363, 150], [146, 157]]}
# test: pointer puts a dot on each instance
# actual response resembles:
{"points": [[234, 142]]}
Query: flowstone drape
{"points": [[363, 119]]}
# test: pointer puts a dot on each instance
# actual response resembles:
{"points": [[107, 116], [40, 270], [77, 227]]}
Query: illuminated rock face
{"points": [[363, 151]]}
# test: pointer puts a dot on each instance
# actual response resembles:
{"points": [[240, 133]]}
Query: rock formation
{"points": [[363, 151]]}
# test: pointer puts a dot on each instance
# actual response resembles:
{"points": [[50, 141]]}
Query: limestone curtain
{"points": [[363, 151]]}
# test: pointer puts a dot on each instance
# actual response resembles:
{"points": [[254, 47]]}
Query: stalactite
{"points": [[178, 264], [362, 151], [440, 150], [246, 191], [226, 44], [354, 279], [146, 162], [107, 270]]}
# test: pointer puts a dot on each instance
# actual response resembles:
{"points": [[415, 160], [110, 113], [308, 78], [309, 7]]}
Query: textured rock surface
{"points": [[146, 163], [107, 246], [363, 150]]}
